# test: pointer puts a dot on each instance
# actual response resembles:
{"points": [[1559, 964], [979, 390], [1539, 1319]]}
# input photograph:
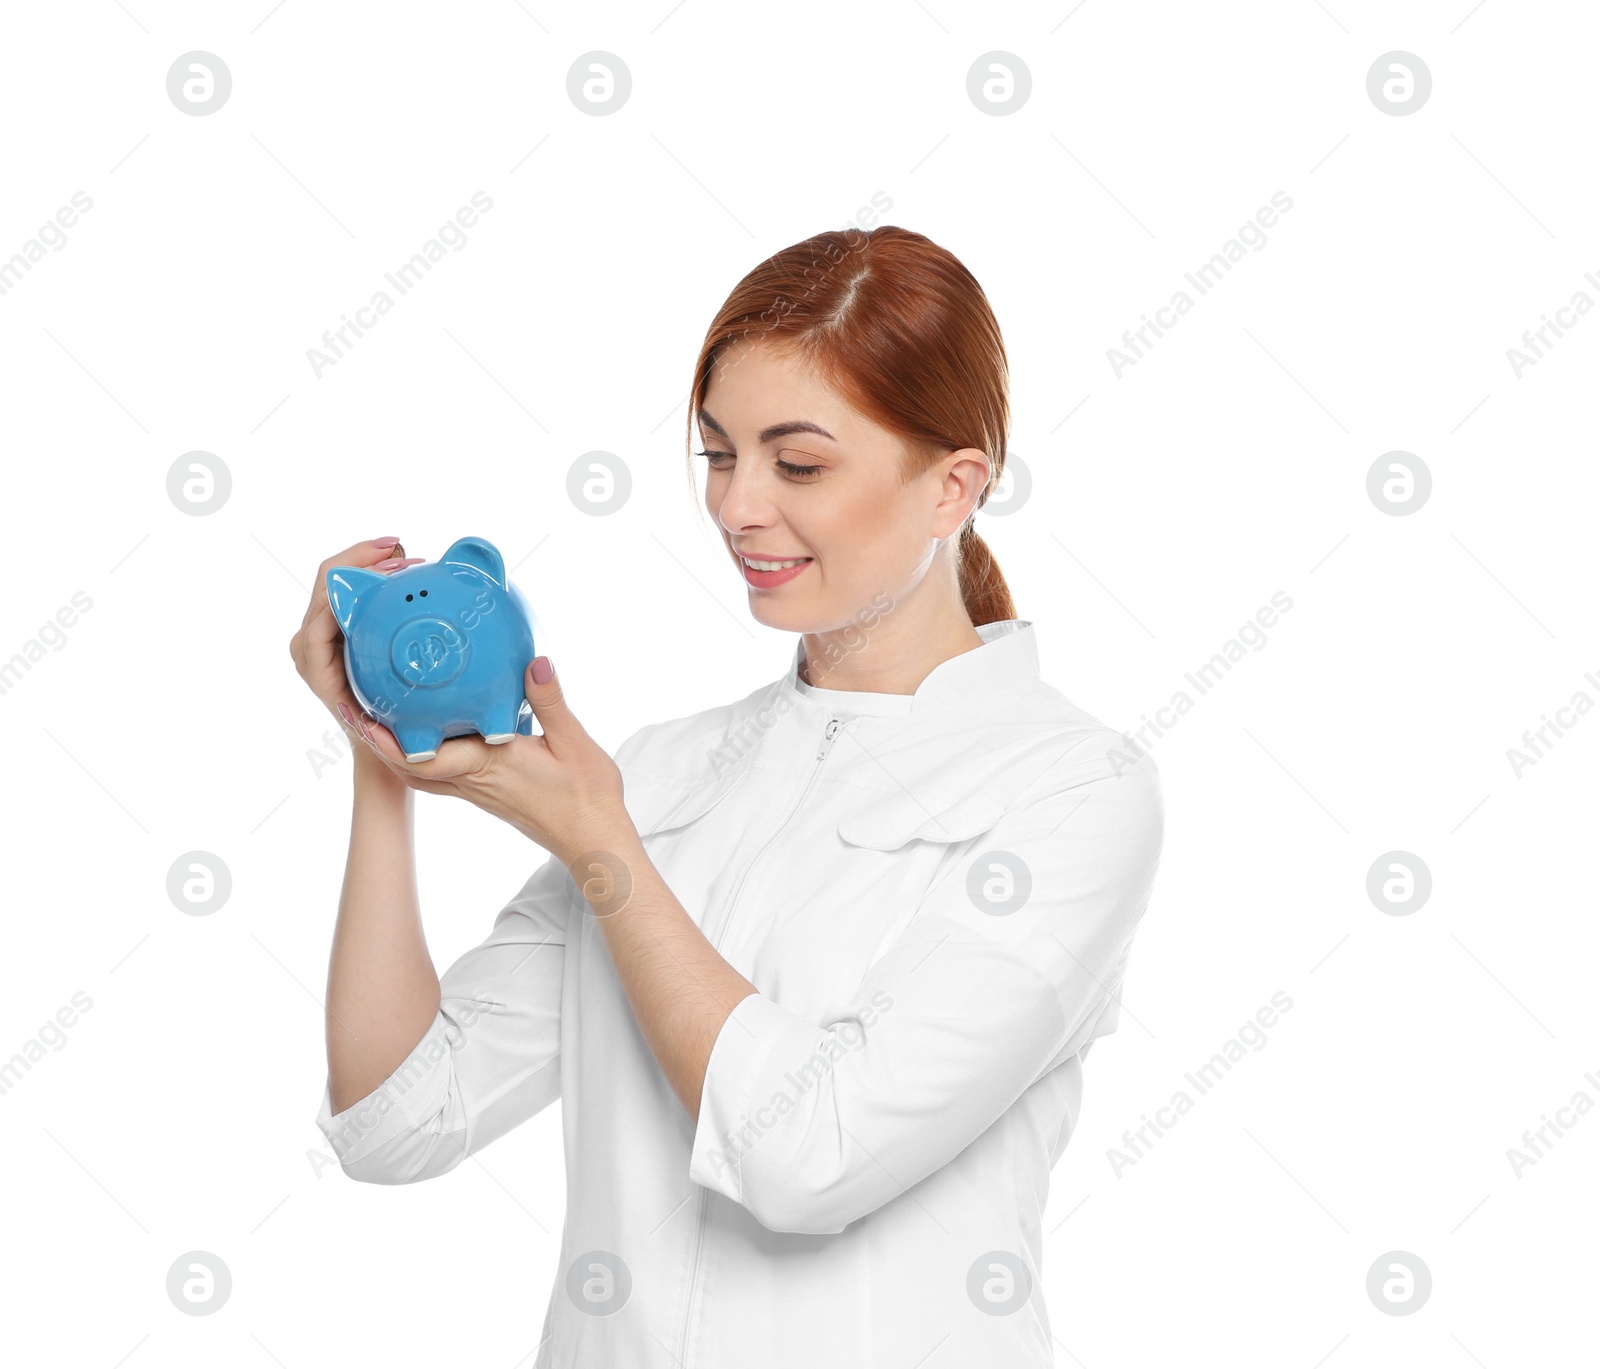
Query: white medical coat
{"points": [[935, 895]]}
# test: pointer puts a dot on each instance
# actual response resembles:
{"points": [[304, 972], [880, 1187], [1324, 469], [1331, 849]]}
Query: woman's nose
{"points": [[746, 500]]}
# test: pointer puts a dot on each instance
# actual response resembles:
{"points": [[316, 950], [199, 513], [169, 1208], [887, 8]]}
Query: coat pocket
{"points": [[886, 822]]}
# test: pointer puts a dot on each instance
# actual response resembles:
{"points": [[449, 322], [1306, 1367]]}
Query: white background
{"points": [[1169, 503]]}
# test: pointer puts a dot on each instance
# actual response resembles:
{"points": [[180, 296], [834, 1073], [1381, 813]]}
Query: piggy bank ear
{"points": [[346, 585], [474, 551]]}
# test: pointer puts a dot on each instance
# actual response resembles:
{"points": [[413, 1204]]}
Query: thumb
{"points": [[544, 694]]}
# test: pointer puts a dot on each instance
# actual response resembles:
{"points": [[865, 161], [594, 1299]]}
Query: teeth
{"points": [[772, 565]]}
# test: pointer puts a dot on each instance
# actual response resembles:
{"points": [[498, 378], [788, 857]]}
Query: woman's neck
{"points": [[891, 657]]}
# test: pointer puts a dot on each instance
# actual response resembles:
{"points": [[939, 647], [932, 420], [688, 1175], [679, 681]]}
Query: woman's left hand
{"points": [[561, 789]]}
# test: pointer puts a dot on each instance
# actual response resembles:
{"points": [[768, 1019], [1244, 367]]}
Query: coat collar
{"points": [[1008, 660], [930, 793]]}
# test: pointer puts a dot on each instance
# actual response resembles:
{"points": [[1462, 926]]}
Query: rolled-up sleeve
{"points": [[1010, 967], [489, 1061]]}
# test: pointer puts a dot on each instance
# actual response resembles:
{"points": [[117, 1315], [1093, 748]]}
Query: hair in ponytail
{"points": [[983, 587]]}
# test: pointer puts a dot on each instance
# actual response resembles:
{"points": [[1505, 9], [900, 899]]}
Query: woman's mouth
{"points": [[765, 574]]}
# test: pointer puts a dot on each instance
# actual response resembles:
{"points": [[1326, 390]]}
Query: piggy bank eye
{"points": [[424, 594], [408, 598]]}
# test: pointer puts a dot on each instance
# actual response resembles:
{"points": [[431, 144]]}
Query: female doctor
{"points": [[812, 972]]}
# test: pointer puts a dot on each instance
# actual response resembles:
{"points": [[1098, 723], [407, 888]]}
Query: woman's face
{"points": [[794, 473]]}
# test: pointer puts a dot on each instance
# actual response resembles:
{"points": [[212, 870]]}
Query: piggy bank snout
{"points": [[428, 652]]}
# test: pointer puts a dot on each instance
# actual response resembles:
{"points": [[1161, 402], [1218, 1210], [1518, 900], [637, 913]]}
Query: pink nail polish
{"points": [[381, 542]]}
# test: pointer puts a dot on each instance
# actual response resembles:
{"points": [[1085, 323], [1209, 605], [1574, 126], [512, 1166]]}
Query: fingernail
{"points": [[396, 562], [381, 542], [542, 670], [346, 714], [362, 724]]}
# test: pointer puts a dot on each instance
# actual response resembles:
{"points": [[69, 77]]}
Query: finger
{"points": [[381, 740], [366, 553], [556, 720], [350, 715]]}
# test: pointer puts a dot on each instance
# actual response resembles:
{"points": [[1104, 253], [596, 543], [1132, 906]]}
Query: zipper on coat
{"points": [[828, 734]]}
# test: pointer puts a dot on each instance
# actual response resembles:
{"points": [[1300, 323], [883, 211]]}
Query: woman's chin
{"points": [[767, 610], [772, 615]]}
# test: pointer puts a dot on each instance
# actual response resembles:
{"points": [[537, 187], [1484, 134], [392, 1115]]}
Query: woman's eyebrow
{"points": [[777, 430]]}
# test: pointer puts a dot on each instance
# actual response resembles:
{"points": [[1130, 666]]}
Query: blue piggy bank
{"points": [[437, 650]]}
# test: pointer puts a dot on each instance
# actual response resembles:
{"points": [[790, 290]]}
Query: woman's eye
{"points": [[714, 460]]}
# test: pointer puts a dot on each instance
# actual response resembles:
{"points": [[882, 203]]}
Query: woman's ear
{"points": [[966, 480]]}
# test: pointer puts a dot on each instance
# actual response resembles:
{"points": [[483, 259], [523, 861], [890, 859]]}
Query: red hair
{"points": [[903, 331]]}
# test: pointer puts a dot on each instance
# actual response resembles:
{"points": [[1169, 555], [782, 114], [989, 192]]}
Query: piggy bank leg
{"points": [[499, 725], [418, 743]]}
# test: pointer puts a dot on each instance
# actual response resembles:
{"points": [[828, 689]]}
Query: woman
{"points": [[813, 972]]}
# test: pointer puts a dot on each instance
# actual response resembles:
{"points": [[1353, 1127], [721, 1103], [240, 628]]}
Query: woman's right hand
{"points": [[318, 647]]}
